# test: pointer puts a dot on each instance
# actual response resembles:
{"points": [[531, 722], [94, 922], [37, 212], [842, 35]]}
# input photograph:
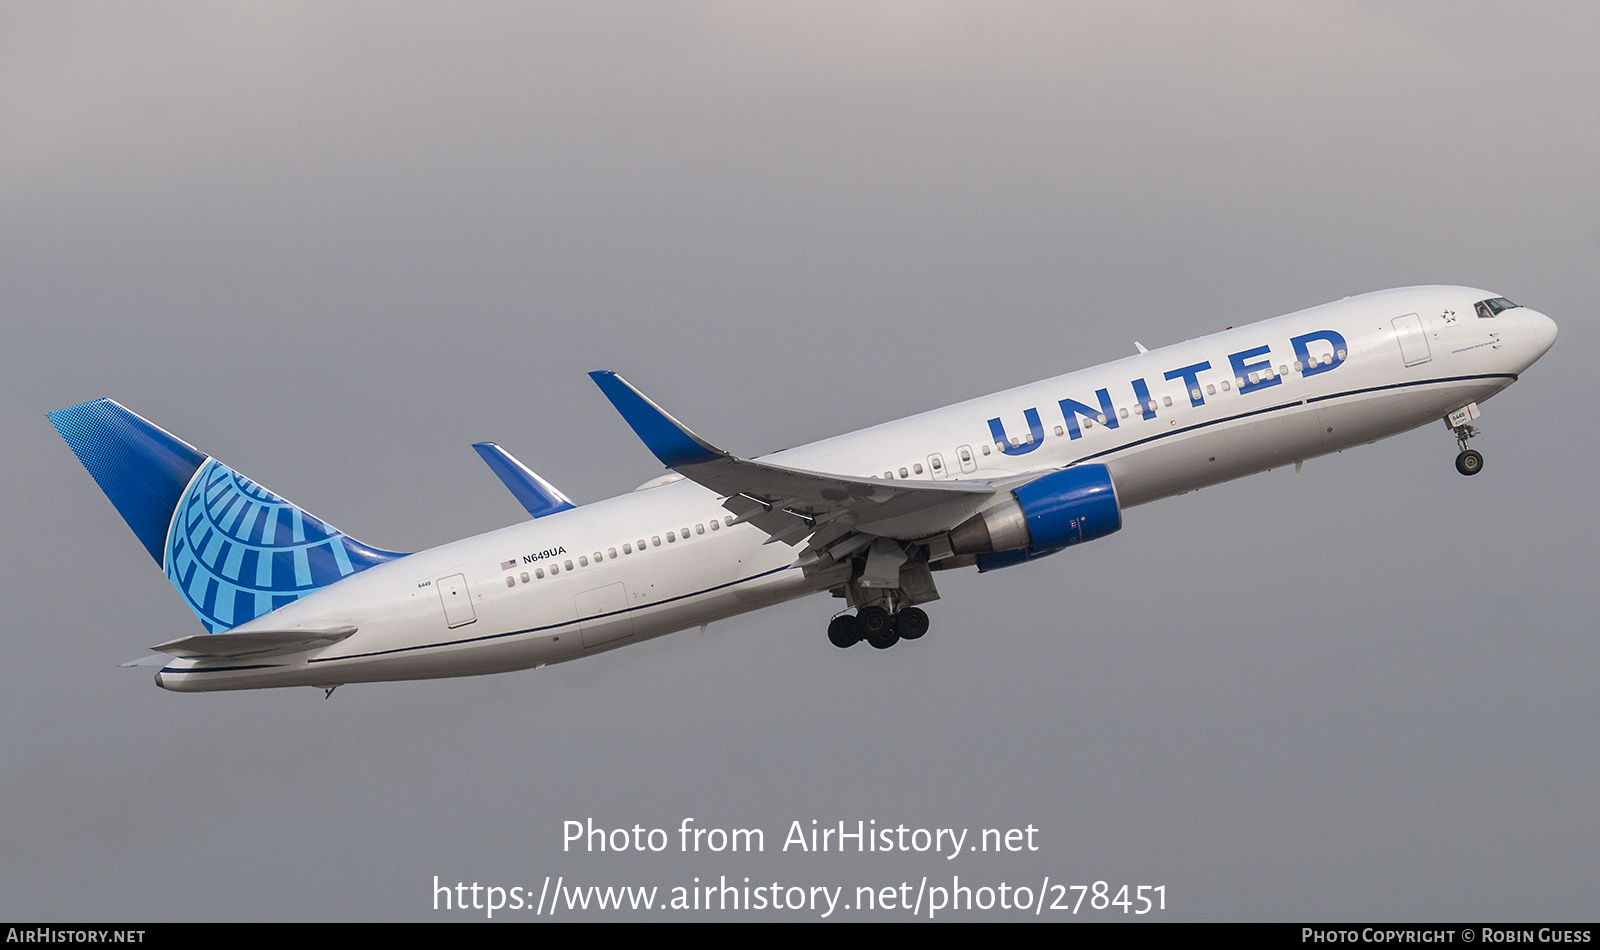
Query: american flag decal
{"points": [[508, 565]]}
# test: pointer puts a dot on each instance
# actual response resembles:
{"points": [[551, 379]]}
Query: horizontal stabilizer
{"points": [[532, 492], [789, 504], [255, 643]]}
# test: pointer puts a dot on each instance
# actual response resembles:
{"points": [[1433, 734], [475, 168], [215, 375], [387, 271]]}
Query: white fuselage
{"points": [[664, 558]]}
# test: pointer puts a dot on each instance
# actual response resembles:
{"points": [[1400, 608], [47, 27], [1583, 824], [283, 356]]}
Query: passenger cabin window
{"points": [[538, 572], [714, 525], [611, 553], [627, 549]]}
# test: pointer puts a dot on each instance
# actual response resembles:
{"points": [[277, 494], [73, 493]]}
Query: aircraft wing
{"points": [[839, 512]]}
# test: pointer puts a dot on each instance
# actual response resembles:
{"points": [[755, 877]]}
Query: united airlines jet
{"points": [[288, 600]]}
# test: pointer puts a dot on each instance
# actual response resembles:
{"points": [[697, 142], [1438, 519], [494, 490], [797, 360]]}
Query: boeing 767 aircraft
{"points": [[288, 600]]}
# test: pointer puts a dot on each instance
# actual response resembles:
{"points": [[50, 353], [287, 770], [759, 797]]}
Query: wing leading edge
{"points": [[840, 513]]}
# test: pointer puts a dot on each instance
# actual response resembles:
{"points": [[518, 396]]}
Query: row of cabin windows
{"points": [[1166, 401], [627, 548]]}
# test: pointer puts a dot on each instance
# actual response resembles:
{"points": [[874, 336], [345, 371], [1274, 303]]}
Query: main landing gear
{"points": [[878, 627]]}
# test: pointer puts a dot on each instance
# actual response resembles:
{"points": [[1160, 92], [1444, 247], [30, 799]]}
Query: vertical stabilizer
{"points": [[233, 549]]}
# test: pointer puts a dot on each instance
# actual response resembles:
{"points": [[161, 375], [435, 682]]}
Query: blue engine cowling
{"points": [[1056, 511]]}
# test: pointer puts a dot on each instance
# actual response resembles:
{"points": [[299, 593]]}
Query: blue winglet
{"points": [[665, 436], [534, 493]]}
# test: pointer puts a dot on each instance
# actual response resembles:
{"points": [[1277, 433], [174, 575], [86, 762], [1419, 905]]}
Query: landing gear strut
{"points": [[878, 627], [1470, 461]]}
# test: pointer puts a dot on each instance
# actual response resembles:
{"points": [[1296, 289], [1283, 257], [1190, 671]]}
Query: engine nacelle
{"points": [[1061, 509]]}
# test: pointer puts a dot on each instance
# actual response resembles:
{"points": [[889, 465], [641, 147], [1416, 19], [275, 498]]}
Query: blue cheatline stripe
{"points": [[557, 626], [224, 669], [509, 633], [1286, 405]]}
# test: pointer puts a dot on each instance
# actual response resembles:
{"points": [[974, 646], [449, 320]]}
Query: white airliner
{"points": [[287, 600]]}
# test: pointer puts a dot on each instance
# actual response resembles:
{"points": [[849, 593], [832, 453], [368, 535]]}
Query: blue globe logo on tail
{"points": [[233, 549], [236, 550]]}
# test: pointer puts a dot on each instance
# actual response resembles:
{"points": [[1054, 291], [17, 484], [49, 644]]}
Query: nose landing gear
{"points": [[878, 627], [1470, 461]]}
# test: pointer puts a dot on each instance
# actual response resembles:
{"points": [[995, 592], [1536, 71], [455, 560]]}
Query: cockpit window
{"points": [[1492, 307]]}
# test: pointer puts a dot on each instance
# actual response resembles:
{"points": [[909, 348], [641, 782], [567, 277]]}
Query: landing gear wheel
{"points": [[873, 621], [1469, 462], [842, 632], [911, 622], [877, 627]]}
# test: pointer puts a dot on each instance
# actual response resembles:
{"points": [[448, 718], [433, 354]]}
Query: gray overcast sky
{"points": [[334, 243]]}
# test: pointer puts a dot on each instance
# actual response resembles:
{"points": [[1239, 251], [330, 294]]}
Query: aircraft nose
{"points": [[1544, 330]]}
